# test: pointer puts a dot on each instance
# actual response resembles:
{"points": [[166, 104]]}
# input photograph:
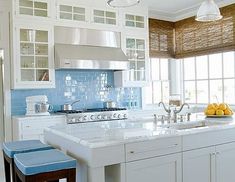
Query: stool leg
{"points": [[71, 175], [7, 167]]}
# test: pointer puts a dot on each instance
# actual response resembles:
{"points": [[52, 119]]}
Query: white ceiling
{"points": [[174, 10]]}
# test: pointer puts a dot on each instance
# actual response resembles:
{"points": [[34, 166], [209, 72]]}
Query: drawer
{"points": [[209, 138], [32, 125], [153, 148]]}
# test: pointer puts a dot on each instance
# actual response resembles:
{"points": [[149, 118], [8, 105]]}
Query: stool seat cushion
{"points": [[12, 148], [43, 161]]}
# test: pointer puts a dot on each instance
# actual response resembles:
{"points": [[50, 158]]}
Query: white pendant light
{"points": [[122, 3], [208, 11]]}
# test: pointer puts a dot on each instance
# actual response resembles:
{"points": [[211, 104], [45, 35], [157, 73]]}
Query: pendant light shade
{"points": [[122, 3], [208, 11]]}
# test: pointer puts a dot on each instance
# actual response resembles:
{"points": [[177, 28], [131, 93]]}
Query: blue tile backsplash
{"points": [[90, 87]]}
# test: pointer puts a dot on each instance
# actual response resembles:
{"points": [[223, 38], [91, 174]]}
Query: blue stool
{"points": [[47, 165], [12, 148]]}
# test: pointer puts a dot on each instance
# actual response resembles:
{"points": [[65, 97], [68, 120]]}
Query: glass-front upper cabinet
{"points": [[104, 17], [135, 21], [135, 51], [34, 8], [71, 12], [34, 65]]}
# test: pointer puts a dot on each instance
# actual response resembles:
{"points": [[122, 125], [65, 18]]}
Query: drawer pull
{"points": [[132, 152]]}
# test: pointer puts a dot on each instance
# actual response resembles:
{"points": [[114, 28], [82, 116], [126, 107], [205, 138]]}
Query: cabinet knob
{"points": [[132, 152]]}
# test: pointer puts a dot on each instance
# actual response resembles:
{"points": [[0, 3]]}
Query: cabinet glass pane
{"points": [[42, 13], [130, 43], [110, 14], [140, 54], [99, 20], [141, 75], [79, 10], [132, 65], [26, 11], [66, 8], [139, 18], [27, 35], [26, 49], [98, 13], [26, 3], [66, 16], [111, 21], [42, 75], [131, 54], [41, 36], [140, 44], [130, 23], [41, 62], [140, 65], [40, 5], [27, 75], [130, 17], [79, 17], [139, 25], [41, 49], [132, 75], [27, 61]]}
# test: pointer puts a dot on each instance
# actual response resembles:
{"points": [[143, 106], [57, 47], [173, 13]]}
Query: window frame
{"points": [[151, 82], [208, 79]]}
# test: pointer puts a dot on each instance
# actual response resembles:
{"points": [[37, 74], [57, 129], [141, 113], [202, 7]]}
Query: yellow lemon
{"points": [[216, 106], [220, 112], [210, 106], [222, 106], [206, 112], [228, 112], [211, 112]]}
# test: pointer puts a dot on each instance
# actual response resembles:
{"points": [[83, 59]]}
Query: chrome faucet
{"points": [[178, 111], [167, 110]]}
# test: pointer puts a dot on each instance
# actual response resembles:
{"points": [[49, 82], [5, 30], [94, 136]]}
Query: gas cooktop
{"points": [[91, 110]]}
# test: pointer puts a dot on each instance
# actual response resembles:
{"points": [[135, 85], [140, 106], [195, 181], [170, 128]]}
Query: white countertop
{"points": [[103, 134]]}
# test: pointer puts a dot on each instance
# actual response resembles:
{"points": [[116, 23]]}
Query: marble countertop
{"points": [[102, 134]]}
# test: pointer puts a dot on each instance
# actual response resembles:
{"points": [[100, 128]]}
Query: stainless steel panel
{"points": [[80, 36]]}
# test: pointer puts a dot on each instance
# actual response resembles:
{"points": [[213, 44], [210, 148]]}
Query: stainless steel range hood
{"points": [[77, 48]]}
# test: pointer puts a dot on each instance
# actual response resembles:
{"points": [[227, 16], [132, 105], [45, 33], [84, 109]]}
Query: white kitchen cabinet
{"points": [[135, 21], [33, 57], [136, 49], [199, 165], [163, 169], [104, 17], [72, 11], [225, 162], [33, 8], [29, 128]]}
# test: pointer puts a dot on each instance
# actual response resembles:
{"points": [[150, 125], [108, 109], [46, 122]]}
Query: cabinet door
{"points": [[34, 59], [162, 169], [105, 17], [225, 162], [34, 8], [199, 165]]}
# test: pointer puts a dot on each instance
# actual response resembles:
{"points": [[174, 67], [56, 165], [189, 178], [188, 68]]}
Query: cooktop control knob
{"points": [[119, 116], [125, 116], [99, 117], [105, 117], [80, 119], [84, 118], [92, 117], [115, 116]]}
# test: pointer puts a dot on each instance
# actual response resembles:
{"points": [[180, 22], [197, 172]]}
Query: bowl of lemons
{"points": [[218, 110]]}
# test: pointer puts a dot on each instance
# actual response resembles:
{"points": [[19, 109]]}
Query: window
{"points": [[209, 78], [159, 88]]}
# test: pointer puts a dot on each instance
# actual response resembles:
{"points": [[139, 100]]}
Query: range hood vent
{"points": [[77, 48]]}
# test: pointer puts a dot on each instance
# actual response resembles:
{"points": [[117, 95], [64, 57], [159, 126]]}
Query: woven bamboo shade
{"points": [[161, 41], [196, 38]]}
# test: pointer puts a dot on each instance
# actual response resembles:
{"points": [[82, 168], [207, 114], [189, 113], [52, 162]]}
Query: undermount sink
{"points": [[193, 125]]}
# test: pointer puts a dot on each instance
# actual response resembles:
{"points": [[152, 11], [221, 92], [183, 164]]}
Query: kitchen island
{"points": [[137, 151]]}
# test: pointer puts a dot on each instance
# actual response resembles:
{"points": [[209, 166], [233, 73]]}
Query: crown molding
{"points": [[184, 13]]}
